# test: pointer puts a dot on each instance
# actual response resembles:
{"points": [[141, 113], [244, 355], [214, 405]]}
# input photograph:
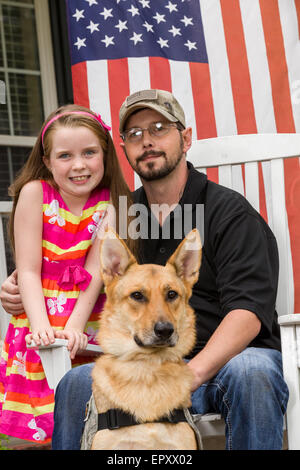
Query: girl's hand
{"points": [[77, 340], [42, 336]]}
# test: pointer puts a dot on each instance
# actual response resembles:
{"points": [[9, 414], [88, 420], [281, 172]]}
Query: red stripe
{"points": [[118, 79], [292, 192], [262, 194], [238, 65], [203, 101], [160, 74], [213, 174], [297, 5], [277, 66], [80, 85]]}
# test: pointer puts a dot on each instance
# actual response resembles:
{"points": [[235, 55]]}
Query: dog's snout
{"points": [[163, 330]]}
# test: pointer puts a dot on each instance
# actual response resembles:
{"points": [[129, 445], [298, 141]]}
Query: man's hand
{"points": [[77, 340], [10, 295]]}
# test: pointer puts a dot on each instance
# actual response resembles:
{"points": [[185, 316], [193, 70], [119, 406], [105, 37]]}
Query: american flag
{"points": [[234, 65]]}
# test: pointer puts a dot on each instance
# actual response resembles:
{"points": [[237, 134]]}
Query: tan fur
{"points": [[140, 372]]}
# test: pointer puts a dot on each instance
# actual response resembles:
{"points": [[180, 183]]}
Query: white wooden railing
{"points": [[5, 209]]}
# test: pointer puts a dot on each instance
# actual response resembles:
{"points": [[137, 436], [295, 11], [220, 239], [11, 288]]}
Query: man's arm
{"points": [[10, 296], [235, 332]]}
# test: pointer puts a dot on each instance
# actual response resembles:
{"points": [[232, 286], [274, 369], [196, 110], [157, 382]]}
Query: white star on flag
{"points": [[187, 21], [121, 25], [108, 41], [107, 13], [163, 42], [92, 2], [171, 7], [93, 27], [78, 14], [159, 18], [145, 3], [136, 38], [190, 45], [80, 43], [133, 10], [149, 27], [175, 31]]}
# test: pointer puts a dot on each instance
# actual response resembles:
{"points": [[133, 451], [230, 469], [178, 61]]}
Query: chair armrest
{"points": [[90, 350], [292, 319], [56, 358]]}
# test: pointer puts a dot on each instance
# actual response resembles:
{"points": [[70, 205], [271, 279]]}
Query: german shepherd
{"points": [[146, 328]]}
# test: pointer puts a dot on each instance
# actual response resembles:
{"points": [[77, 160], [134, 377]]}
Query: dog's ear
{"points": [[187, 257], [115, 257]]}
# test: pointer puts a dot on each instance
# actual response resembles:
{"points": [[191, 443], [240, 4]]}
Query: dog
{"points": [[146, 328]]}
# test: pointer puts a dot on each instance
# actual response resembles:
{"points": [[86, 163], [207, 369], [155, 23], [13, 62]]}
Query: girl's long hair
{"points": [[35, 168]]}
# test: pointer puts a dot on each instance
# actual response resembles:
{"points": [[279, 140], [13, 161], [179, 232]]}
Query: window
{"points": [[27, 84]]}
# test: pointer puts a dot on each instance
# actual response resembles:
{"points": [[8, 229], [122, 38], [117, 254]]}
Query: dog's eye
{"points": [[171, 295], [137, 296]]}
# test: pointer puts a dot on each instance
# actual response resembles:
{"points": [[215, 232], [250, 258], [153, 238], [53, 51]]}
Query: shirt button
{"points": [[162, 250]]}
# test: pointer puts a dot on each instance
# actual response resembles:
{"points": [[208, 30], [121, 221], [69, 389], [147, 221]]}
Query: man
{"points": [[236, 361]]}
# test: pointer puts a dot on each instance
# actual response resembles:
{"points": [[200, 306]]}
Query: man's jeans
{"points": [[249, 392]]}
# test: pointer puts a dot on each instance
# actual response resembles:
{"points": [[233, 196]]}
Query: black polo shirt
{"points": [[239, 268]]}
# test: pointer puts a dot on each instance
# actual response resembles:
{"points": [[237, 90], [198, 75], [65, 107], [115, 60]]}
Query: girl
{"points": [[60, 200]]}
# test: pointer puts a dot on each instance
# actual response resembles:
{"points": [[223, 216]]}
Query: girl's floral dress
{"points": [[26, 401]]}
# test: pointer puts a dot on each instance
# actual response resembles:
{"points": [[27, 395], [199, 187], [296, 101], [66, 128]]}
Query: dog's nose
{"points": [[163, 329]]}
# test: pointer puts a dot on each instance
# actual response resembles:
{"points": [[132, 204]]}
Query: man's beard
{"points": [[152, 174]]}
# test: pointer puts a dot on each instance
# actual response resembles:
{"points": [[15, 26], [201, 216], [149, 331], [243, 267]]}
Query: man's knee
{"points": [[257, 373], [75, 380]]}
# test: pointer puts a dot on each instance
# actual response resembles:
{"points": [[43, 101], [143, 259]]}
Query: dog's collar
{"points": [[116, 418]]}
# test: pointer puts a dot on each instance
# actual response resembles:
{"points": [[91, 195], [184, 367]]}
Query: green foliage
{"points": [[3, 440]]}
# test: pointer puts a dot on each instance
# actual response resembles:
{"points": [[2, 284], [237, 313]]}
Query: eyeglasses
{"points": [[156, 129]]}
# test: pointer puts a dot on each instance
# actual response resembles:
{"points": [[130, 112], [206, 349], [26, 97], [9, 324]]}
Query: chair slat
{"points": [[4, 317], [252, 184], [225, 176], [237, 179], [285, 296]]}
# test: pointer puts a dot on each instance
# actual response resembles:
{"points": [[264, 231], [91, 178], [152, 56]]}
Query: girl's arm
{"points": [[28, 225], [75, 325]]}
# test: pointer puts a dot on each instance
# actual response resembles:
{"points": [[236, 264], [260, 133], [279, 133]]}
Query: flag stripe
{"points": [[297, 5], [262, 194], [97, 77], [238, 64], [160, 73], [292, 186], [138, 70], [203, 102], [118, 79], [258, 66], [277, 65], [219, 67], [182, 89], [289, 24], [80, 84]]}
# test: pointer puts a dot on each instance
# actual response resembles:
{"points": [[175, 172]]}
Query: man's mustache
{"points": [[149, 152]]}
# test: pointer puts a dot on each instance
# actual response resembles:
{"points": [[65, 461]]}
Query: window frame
{"points": [[47, 70]]}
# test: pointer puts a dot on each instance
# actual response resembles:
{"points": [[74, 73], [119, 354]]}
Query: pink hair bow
{"points": [[100, 120], [74, 275]]}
